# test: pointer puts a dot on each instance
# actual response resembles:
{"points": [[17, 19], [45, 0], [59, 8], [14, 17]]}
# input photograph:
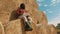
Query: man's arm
{"points": [[18, 11]]}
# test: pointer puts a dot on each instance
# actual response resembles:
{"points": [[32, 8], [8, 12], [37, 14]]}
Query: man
{"points": [[23, 14]]}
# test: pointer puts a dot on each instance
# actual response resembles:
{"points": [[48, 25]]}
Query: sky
{"points": [[52, 10]]}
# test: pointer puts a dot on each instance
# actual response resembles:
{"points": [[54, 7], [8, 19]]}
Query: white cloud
{"points": [[53, 2], [58, 1], [49, 11], [39, 0], [45, 5], [56, 20], [44, 12], [40, 4]]}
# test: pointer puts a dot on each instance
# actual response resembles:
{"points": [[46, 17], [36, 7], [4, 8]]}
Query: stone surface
{"points": [[47, 29], [1, 29], [13, 27], [8, 6]]}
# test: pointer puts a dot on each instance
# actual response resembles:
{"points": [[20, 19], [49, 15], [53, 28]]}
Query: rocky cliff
{"points": [[11, 25]]}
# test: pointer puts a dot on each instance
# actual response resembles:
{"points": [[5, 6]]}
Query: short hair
{"points": [[22, 6]]}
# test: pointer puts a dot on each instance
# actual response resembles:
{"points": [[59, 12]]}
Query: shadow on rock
{"points": [[13, 15]]}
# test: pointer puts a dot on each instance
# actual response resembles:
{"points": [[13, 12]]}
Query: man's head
{"points": [[22, 6]]}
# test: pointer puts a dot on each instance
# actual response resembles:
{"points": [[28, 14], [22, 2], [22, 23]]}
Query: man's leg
{"points": [[28, 27]]}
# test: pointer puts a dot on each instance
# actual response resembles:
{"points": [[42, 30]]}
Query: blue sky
{"points": [[52, 10]]}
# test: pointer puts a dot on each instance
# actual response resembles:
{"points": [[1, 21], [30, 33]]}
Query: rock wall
{"points": [[8, 6], [15, 26]]}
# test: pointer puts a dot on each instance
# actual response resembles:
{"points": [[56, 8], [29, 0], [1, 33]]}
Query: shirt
{"points": [[21, 11]]}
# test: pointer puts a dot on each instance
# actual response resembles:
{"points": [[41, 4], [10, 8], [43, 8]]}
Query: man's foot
{"points": [[28, 29]]}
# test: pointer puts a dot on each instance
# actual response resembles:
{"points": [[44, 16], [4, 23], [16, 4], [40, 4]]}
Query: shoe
{"points": [[28, 29]]}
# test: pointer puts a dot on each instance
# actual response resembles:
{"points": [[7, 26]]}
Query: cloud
{"points": [[39, 0], [56, 20], [58, 1], [44, 12], [49, 11], [53, 2], [40, 4], [45, 5]]}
